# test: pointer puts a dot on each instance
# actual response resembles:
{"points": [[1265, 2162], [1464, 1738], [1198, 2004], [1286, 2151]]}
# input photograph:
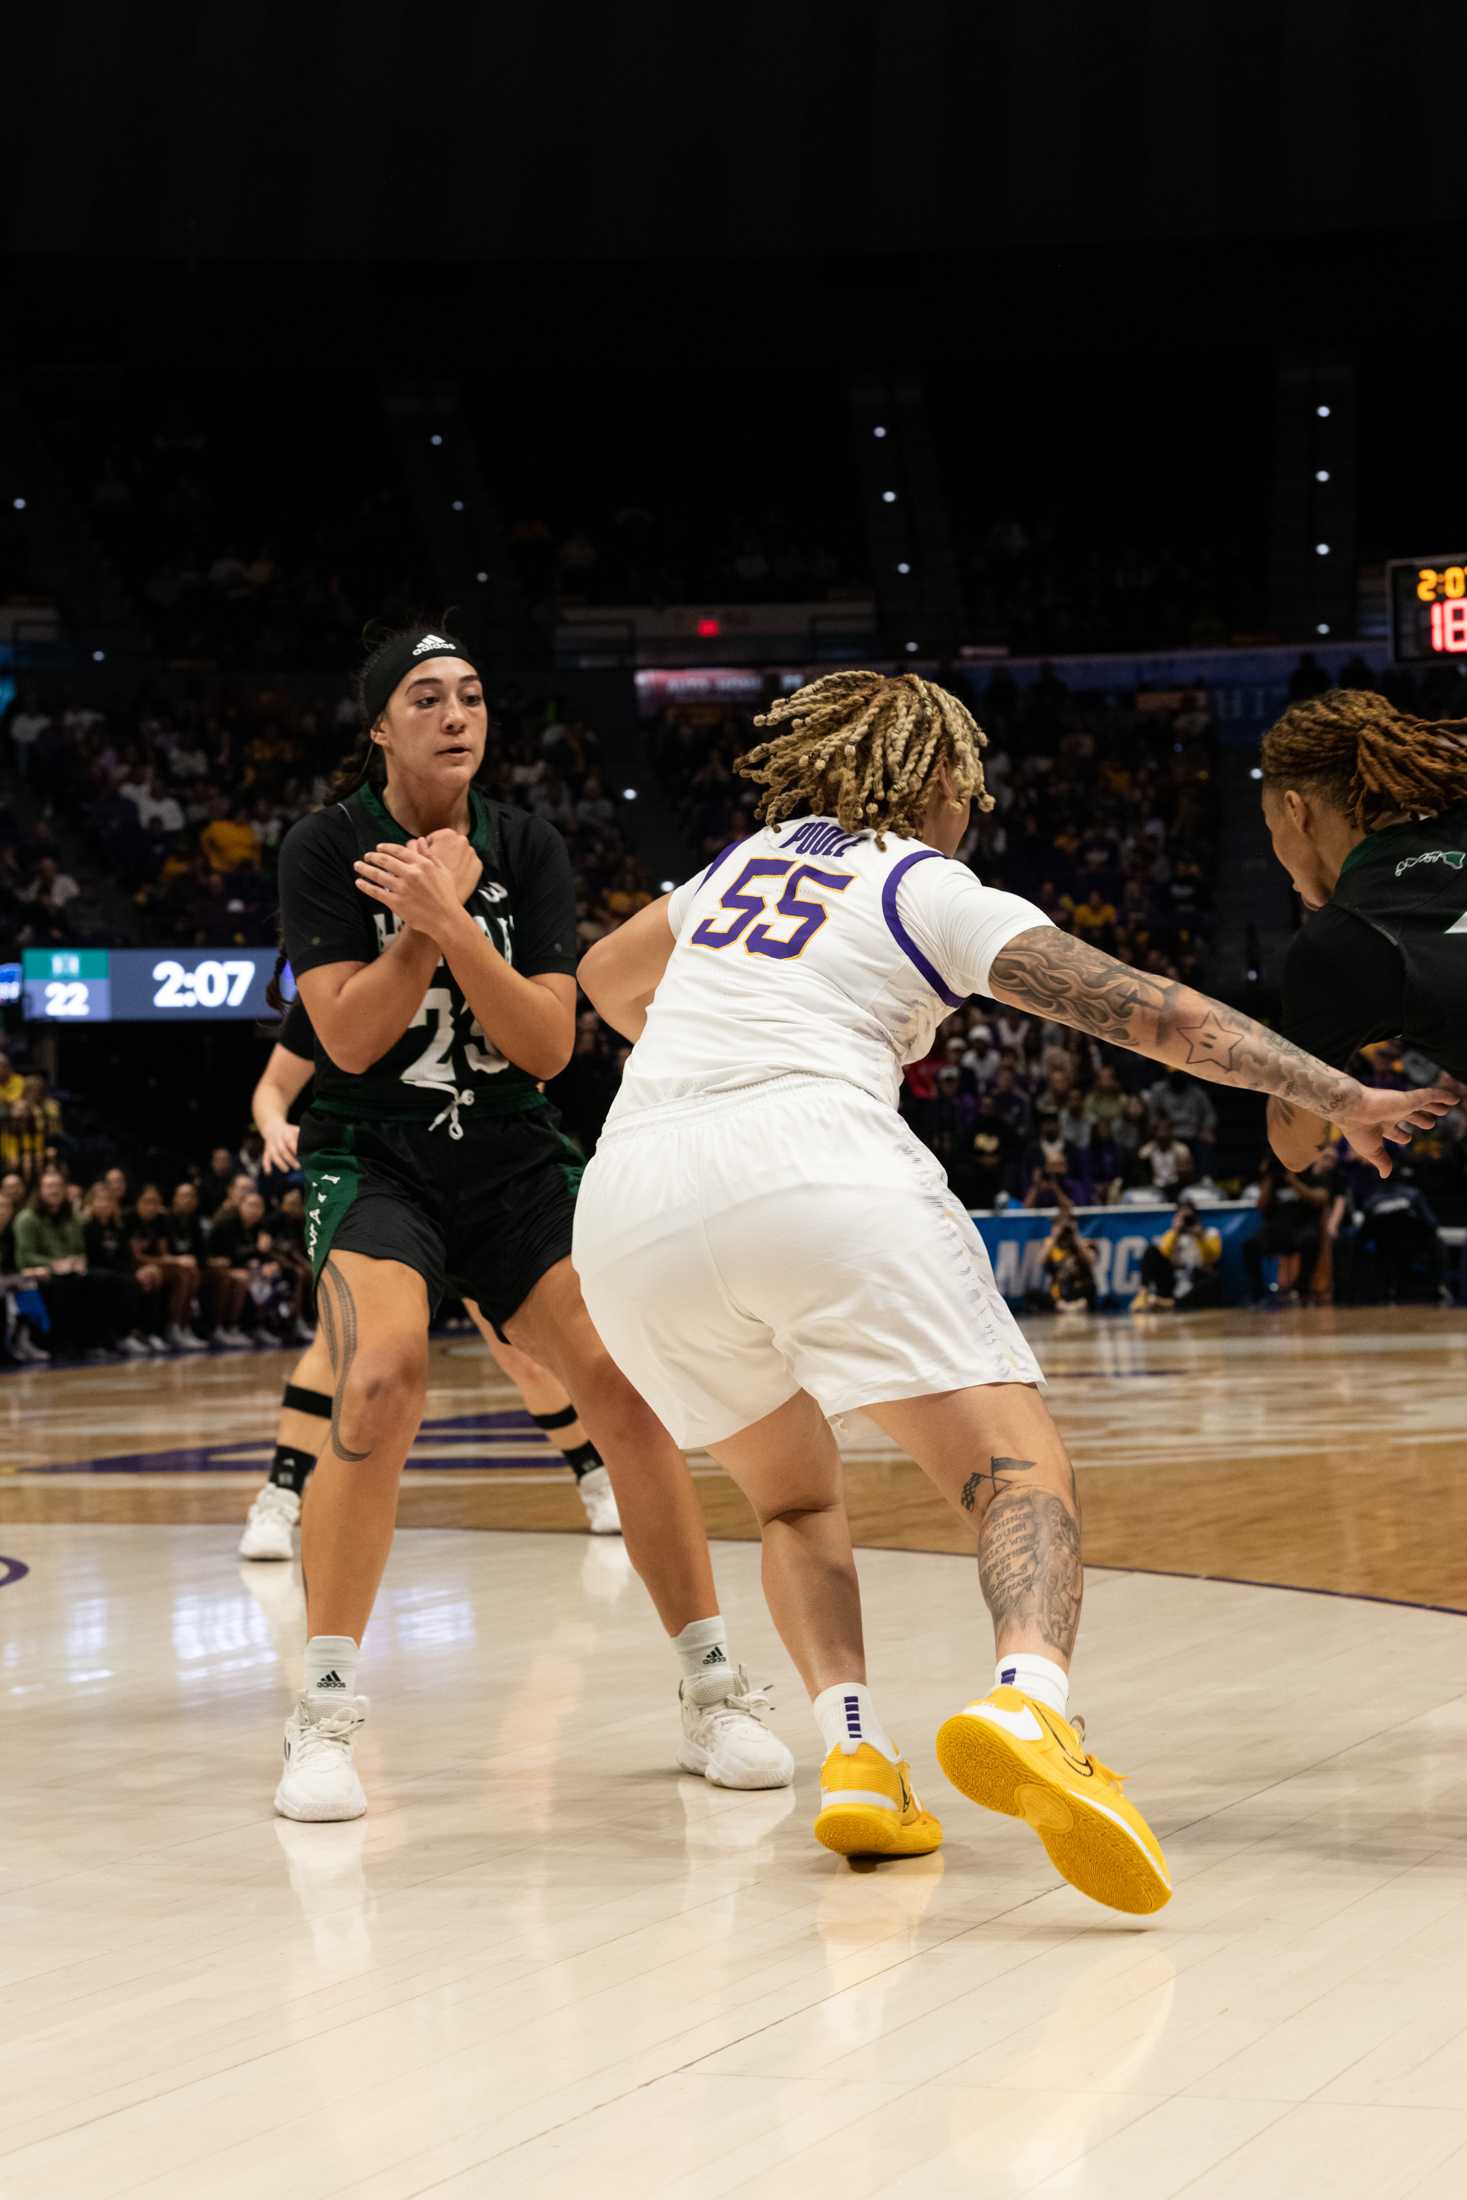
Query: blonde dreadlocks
{"points": [[864, 748], [1368, 758]]}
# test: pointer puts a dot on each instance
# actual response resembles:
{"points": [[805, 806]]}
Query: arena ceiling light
{"points": [[1322, 411], [1321, 549], [1321, 473], [879, 434], [888, 496], [903, 567], [435, 440], [18, 503], [629, 794]]}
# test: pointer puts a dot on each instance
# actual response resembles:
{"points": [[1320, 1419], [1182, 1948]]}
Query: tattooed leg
{"points": [[374, 1316], [339, 1319], [1033, 1579], [996, 1455]]}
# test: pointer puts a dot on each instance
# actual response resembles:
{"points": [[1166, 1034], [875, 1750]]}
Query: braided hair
{"points": [[864, 748], [1368, 758]]}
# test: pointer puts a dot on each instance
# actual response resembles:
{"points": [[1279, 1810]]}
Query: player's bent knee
{"points": [[386, 1383], [794, 1511]]}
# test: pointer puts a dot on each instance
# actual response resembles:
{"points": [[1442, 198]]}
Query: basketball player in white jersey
{"points": [[763, 1245]]}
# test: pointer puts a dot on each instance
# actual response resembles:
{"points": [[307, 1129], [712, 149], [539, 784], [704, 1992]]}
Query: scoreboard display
{"points": [[1428, 608], [101, 985]]}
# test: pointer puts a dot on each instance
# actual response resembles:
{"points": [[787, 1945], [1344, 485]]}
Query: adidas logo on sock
{"points": [[329, 1680], [715, 1657]]}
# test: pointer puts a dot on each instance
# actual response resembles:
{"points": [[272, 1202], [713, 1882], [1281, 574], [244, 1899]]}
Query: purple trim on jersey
{"points": [[721, 857], [900, 933]]}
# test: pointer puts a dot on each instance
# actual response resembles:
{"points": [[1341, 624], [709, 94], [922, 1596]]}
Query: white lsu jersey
{"points": [[807, 950]]}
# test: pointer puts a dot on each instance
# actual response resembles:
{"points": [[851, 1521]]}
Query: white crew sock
{"points": [[1038, 1677], [702, 1645], [331, 1668], [847, 1716]]}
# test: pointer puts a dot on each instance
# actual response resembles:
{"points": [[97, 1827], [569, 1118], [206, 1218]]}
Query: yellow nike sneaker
{"points": [[868, 1807], [1013, 1754]]}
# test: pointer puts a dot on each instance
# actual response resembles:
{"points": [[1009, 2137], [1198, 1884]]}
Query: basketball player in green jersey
{"points": [[305, 1407], [1367, 810]]}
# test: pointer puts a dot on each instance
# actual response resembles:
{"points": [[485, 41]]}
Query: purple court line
{"points": [[12, 1569], [223, 1459]]}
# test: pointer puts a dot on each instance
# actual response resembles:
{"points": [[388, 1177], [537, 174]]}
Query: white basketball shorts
{"points": [[790, 1236]]}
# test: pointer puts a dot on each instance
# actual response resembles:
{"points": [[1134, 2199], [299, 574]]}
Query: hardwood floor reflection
{"points": [[1321, 1450]]}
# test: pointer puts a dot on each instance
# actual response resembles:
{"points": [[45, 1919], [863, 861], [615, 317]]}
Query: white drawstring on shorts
{"points": [[449, 1114]]}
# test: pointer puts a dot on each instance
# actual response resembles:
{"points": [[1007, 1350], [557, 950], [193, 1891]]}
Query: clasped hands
{"points": [[425, 882]]}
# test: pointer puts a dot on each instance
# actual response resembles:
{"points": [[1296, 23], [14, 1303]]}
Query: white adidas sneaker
{"points": [[599, 1499], [269, 1529], [723, 1736], [320, 1781]]}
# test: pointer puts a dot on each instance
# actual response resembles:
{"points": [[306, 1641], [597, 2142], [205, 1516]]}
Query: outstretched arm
{"points": [[1296, 1135], [1053, 974], [620, 974]]}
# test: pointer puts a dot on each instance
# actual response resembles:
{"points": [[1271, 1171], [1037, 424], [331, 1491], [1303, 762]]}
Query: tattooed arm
{"points": [[1296, 1135], [1051, 973]]}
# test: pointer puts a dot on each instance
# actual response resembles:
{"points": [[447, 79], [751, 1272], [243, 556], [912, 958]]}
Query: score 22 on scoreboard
{"points": [[75, 985], [1428, 608]]}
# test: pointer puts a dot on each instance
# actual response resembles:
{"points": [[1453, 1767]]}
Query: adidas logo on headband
{"points": [[432, 641]]}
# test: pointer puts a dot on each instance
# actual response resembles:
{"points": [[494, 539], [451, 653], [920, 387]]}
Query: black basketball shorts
{"points": [[484, 1216]]}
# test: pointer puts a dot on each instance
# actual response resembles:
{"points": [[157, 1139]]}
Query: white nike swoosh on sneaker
{"points": [[1021, 1723]]}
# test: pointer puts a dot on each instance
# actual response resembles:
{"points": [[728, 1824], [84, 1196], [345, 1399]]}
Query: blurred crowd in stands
{"points": [[679, 555], [196, 498], [179, 803], [113, 1269], [1034, 587]]}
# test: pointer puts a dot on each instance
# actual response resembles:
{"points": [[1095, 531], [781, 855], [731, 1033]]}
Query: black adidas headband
{"points": [[389, 669]]}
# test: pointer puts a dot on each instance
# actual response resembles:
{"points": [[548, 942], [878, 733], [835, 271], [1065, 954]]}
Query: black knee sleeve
{"points": [[298, 1400]]}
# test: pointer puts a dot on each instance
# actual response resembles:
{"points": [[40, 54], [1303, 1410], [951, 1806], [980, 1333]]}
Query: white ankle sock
{"points": [[331, 1667], [847, 1716], [703, 1643], [1039, 1677]]}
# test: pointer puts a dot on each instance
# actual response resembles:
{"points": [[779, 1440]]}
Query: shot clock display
{"points": [[98, 985], [1428, 608]]}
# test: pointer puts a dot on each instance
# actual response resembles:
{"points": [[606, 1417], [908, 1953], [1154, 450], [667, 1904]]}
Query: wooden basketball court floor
{"points": [[546, 1963]]}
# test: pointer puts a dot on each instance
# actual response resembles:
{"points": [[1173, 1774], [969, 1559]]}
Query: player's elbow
{"points": [[546, 1057], [593, 972], [350, 1050]]}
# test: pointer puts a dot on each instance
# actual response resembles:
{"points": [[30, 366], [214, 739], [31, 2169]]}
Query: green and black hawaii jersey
{"points": [[524, 902], [1386, 958]]}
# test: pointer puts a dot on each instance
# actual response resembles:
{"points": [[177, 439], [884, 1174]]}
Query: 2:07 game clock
{"points": [[1428, 608]]}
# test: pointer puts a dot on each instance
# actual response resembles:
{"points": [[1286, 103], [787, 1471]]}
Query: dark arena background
{"points": [[1103, 366]]}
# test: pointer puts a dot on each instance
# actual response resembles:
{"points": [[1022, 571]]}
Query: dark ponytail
{"points": [[274, 993]]}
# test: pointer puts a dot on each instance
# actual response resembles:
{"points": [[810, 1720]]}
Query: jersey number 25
{"points": [[749, 897]]}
